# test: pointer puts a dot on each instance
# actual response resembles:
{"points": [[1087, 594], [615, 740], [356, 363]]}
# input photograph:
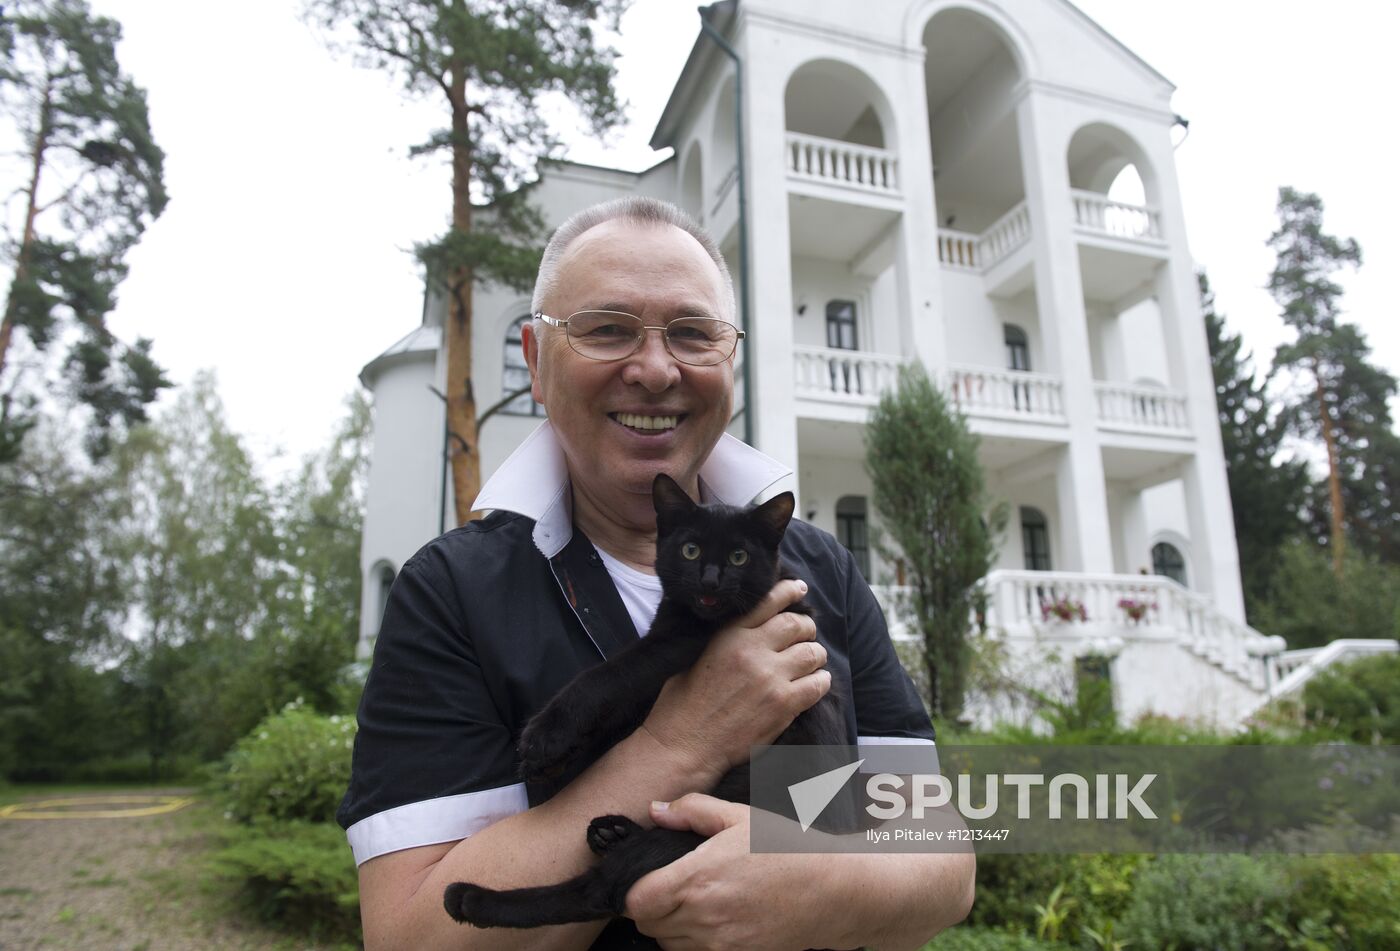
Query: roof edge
{"points": [[702, 54]]}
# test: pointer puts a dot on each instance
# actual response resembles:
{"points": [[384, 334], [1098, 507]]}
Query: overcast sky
{"points": [[283, 259]]}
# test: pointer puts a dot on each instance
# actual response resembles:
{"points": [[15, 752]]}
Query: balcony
{"points": [[850, 377], [842, 165], [1095, 214], [1006, 394], [978, 252], [1141, 409]]}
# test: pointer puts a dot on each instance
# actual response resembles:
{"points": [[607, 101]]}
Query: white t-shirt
{"points": [[641, 592]]}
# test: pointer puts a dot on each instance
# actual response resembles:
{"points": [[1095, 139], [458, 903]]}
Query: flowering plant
{"points": [[1136, 610], [1063, 609]]}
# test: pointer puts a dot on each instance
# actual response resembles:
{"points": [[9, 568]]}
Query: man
{"points": [[487, 622]]}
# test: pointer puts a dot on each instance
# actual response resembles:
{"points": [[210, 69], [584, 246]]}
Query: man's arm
{"points": [[722, 896]]}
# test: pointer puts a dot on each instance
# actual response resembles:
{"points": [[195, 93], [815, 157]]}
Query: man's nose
{"points": [[652, 365]]}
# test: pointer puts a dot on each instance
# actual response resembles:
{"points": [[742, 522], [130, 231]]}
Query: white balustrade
{"points": [[1141, 407], [1097, 213], [1021, 603], [990, 391], [847, 376], [842, 163], [977, 252]]}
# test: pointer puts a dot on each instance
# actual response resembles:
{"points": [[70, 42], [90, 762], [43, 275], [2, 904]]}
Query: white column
{"points": [[919, 276], [1214, 551], [1085, 539], [770, 257]]}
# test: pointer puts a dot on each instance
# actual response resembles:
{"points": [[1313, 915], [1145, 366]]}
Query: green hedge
{"points": [[294, 765], [1359, 701]]}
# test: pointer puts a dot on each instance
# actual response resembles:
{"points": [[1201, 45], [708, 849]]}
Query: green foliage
{"points": [[1312, 607], [1266, 494], [1359, 702], [1205, 902], [298, 874], [294, 765], [928, 492], [972, 938], [1345, 901], [93, 182]]}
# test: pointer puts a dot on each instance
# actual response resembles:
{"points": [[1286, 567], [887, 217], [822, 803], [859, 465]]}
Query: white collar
{"points": [[534, 482]]}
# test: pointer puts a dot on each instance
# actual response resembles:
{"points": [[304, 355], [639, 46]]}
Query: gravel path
{"points": [[131, 883]]}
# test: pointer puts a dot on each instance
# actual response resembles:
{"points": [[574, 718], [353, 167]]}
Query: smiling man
{"points": [[632, 354]]}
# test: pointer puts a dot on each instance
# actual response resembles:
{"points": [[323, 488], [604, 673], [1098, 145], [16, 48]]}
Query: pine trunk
{"points": [[1334, 480], [461, 401], [41, 142]]}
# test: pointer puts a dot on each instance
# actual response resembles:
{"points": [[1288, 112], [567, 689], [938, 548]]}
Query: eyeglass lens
{"points": [[607, 335]]}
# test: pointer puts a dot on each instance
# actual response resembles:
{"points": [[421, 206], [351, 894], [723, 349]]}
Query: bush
{"points": [[294, 765], [1312, 607], [972, 938], [1352, 899], [1359, 701], [1205, 902], [299, 874]]}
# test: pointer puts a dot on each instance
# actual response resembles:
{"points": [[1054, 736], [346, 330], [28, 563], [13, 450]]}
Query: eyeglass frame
{"points": [[640, 338]]}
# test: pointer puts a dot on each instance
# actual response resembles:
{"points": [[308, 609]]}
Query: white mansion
{"points": [[988, 188]]}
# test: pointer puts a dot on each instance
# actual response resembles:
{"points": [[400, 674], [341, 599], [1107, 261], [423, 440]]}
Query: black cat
{"points": [[716, 563]]}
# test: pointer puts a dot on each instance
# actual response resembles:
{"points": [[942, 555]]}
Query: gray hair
{"points": [[650, 212]]}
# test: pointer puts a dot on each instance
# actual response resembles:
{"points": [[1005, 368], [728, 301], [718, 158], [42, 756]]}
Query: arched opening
{"points": [[1114, 188], [833, 100], [515, 374], [692, 190], [971, 74], [853, 530], [1035, 539], [1168, 562]]}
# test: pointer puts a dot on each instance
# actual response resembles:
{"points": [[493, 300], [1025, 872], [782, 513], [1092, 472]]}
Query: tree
{"points": [[1267, 494], [93, 180], [928, 492], [493, 62], [1313, 607], [1347, 396]]}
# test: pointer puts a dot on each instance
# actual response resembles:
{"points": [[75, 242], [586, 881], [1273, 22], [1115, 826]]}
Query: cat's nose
{"points": [[709, 577]]}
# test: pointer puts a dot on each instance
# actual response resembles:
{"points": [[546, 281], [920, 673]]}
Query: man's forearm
{"points": [[893, 901], [545, 845]]}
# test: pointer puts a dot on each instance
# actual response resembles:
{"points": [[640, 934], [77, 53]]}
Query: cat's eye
{"points": [[690, 551], [738, 557]]}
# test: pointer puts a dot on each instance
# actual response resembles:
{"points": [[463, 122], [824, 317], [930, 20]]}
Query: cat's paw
{"points": [[605, 832], [467, 903], [549, 747]]}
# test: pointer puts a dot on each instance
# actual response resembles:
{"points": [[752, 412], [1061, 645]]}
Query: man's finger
{"points": [[783, 595], [698, 813]]}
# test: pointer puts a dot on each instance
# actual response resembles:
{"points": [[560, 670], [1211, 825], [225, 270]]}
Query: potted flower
{"points": [[1063, 608], [1136, 610]]}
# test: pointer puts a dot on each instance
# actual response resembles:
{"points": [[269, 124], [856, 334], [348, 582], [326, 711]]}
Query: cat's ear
{"points": [[773, 516], [669, 498]]}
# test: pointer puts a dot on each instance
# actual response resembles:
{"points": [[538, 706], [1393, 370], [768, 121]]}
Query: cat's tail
{"points": [[584, 898]]}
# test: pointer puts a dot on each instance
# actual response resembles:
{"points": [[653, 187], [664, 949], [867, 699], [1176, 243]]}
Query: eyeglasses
{"points": [[610, 335]]}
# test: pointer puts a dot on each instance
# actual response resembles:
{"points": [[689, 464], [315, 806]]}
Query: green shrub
{"points": [[294, 765], [1205, 902], [1351, 898], [300, 874], [974, 938], [1359, 701]]}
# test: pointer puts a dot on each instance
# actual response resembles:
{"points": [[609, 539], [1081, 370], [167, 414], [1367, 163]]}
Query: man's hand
{"points": [[722, 896], [753, 679]]}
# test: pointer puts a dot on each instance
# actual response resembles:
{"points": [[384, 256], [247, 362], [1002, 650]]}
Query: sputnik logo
{"points": [[811, 796]]}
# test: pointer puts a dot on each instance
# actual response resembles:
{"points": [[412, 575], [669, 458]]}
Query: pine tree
{"points": [[928, 492], [1268, 494], [492, 61], [1346, 399], [93, 182]]}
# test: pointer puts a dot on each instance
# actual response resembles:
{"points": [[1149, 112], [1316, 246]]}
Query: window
{"points": [[1168, 562], [841, 325], [1018, 357], [517, 374], [1035, 539], [852, 530]]}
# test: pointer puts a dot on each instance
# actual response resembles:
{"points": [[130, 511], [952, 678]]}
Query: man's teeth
{"points": [[646, 422]]}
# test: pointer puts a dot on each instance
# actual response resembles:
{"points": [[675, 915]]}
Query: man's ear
{"points": [[530, 346], [773, 516], [669, 498]]}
